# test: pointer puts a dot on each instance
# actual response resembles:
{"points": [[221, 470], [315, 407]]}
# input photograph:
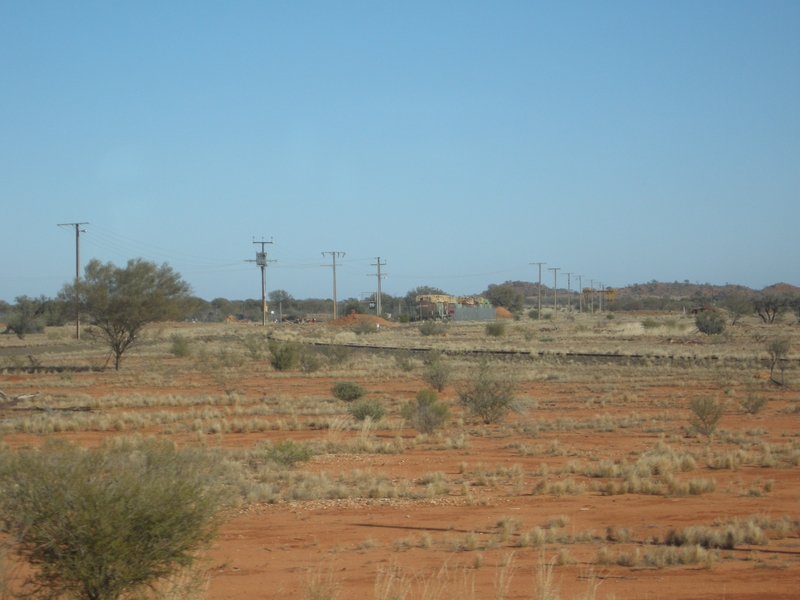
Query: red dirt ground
{"points": [[265, 551]]}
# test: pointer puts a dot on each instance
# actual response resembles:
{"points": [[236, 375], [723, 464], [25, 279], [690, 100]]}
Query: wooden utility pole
{"points": [[580, 296], [334, 255], [540, 287], [569, 292], [591, 281], [78, 232], [555, 271]]}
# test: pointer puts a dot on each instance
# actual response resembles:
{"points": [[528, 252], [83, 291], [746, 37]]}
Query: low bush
{"points": [[710, 323], [437, 374], [347, 391], [486, 395], [180, 346], [310, 361], [426, 412], [288, 453], [403, 360], [707, 412], [495, 329], [432, 328], [365, 327], [361, 409], [283, 355]]}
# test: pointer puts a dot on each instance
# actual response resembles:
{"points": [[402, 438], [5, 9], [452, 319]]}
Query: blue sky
{"points": [[458, 141]]}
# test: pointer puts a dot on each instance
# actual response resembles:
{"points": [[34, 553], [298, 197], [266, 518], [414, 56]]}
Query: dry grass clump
{"points": [[727, 536]]}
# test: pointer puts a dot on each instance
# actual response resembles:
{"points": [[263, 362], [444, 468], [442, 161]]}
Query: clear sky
{"points": [[458, 141]]}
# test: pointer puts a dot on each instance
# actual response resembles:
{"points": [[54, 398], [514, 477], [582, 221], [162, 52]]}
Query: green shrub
{"points": [[347, 391], [707, 412], [486, 395], [496, 329], [287, 453], [710, 323], [437, 374], [283, 355], [180, 346], [425, 413], [432, 328], [110, 522], [374, 409]]}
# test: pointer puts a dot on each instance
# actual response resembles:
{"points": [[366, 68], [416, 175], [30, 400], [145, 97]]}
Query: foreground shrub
{"points": [[347, 391], [710, 323], [426, 412], [283, 355], [110, 522], [360, 410], [486, 395]]}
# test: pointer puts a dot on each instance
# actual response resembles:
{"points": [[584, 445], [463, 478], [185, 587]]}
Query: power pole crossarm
{"points": [[78, 232]]}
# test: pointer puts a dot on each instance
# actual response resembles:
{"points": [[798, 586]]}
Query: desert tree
{"points": [[506, 296], [120, 301], [738, 305], [108, 522], [26, 317], [770, 306], [778, 348]]}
